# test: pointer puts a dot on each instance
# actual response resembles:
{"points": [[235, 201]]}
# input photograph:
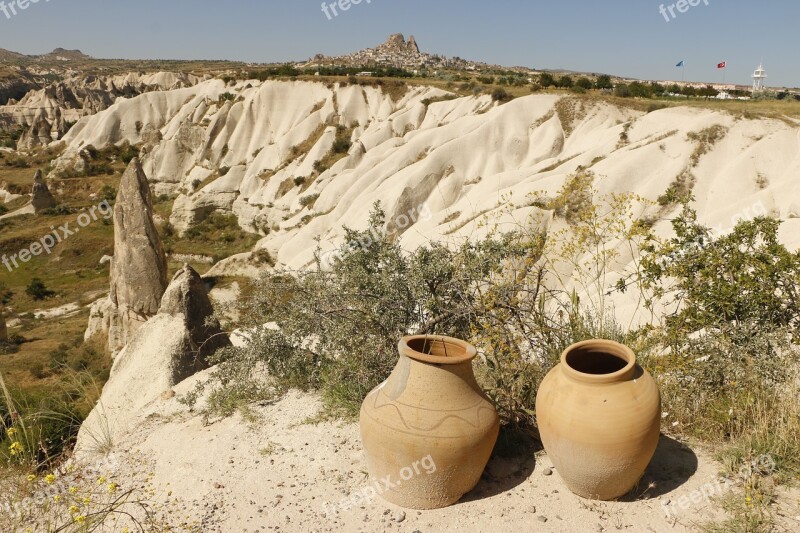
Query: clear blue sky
{"points": [[624, 37]]}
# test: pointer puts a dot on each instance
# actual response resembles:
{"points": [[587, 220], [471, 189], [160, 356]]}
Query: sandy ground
{"points": [[280, 471]]}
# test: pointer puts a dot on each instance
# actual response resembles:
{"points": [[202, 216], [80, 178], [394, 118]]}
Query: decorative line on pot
{"points": [[477, 407]]}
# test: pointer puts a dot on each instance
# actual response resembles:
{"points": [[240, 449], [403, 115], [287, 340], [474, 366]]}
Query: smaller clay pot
{"points": [[599, 415], [429, 429]]}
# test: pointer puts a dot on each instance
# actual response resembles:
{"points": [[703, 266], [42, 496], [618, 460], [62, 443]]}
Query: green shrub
{"points": [[547, 80], [37, 290], [604, 82], [108, 193], [339, 327], [57, 211], [501, 96], [309, 200], [584, 83], [341, 145], [728, 366]]}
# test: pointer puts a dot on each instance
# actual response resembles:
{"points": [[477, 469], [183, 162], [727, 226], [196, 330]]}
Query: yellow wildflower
{"points": [[49, 479], [73, 490], [86, 500], [73, 509], [31, 477], [15, 448], [56, 498], [101, 480], [80, 518], [11, 432]]}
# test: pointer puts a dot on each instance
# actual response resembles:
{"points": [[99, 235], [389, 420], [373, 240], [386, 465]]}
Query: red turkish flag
{"points": [[722, 65]]}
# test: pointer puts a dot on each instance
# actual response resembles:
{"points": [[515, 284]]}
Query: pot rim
{"points": [[469, 352], [603, 345]]}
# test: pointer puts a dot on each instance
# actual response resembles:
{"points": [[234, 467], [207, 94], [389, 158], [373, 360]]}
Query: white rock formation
{"points": [[466, 159], [39, 134], [170, 347], [74, 97], [138, 268], [41, 198]]}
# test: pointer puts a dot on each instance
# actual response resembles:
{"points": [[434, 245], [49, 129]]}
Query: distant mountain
{"points": [[59, 54], [8, 55], [66, 55]]}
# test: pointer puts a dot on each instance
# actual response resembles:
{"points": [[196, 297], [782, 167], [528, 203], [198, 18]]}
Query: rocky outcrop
{"points": [[412, 45], [74, 97], [139, 267], [39, 134], [170, 347], [100, 315], [41, 198], [187, 298]]}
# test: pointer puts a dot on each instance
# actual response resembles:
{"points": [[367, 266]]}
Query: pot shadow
{"points": [[673, 464], [512, 462]]}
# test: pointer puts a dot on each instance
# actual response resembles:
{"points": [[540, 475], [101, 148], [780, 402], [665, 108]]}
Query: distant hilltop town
{"points": [[399, 53]]}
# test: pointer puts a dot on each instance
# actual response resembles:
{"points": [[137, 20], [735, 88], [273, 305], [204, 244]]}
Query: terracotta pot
{"points": [[430, 411], [599, 416]]}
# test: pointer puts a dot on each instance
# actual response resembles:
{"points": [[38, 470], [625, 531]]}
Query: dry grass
{"points": [[303, 148], [570, 112]]}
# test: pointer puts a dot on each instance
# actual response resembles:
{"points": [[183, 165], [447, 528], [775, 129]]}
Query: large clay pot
{"points": [[599, 418], [429, 429]]}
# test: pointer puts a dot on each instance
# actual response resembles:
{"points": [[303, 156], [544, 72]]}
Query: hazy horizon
{"points": [[630, 38]]}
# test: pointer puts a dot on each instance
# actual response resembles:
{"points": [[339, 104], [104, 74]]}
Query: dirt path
{"points": [[281, 473]]}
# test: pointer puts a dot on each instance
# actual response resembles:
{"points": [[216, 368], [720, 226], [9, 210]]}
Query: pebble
{"points": [[548, 472], [541, 518], [399, 516]]}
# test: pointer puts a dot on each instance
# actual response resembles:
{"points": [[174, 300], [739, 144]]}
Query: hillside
{"points": [[467, 159]]}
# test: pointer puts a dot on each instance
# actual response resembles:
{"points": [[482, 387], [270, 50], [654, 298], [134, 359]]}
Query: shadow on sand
{"points": [[514, 459], [672, 465], [512, 462]]}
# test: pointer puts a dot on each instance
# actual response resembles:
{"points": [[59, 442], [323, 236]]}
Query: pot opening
{"points": [[595, 361], [437, 346]]}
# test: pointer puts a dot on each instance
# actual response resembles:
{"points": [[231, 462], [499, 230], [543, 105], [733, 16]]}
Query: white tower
{"points": [[758, 79]]}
